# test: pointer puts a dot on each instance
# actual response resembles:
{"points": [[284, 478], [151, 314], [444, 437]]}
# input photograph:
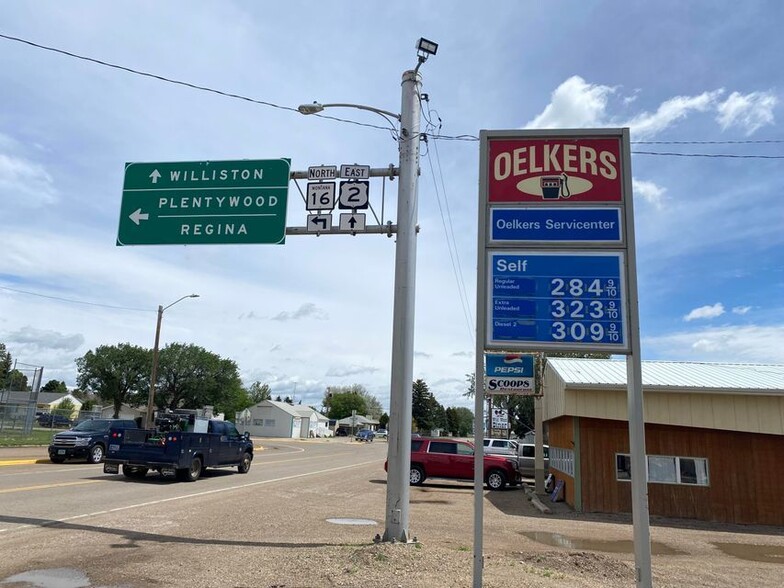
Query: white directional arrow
{"points": [[154, 175], [137, 215]]}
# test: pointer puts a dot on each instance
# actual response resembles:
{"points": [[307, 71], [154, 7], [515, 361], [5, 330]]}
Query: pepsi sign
{"points": [[509, 373]]}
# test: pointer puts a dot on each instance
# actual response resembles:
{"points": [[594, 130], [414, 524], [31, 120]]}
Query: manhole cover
{"points": [[352, 521]]}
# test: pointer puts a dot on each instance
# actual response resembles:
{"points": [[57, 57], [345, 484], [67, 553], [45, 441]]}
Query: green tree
{"points": [[425, 409], [55, 386], [340, 401], [65, 407], [370, 407], [459, 421], [118, 373], [259, 392], [383, 421], [5, 364], [17, 381], [189, 376]]}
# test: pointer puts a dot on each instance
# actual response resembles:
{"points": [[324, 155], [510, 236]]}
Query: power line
{"points": [[717, 155], [464, 137], [183, 83], [71, 300]]}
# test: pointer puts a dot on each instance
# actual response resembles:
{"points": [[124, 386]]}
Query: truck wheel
{"points": [[244, 466], [416, 476], [496, 480], [134, 472], [194, 472], [96, 454], [57, 459]]}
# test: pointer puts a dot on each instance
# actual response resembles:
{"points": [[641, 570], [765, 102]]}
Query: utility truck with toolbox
{"points": [[179, 449]]}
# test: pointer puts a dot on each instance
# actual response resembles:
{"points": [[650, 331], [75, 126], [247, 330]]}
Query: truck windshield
{"points": [[91, 426]]}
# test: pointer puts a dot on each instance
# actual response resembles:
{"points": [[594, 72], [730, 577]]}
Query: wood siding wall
{"points": [[744, 470], [560, 433]]}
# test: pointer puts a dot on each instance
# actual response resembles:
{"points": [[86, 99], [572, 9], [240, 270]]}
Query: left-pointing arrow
{"points": [[137, 215]]}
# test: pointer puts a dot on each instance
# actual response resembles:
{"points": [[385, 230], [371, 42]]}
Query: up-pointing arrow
{"points": [[154, 175], [352, 221], [137, 215]]}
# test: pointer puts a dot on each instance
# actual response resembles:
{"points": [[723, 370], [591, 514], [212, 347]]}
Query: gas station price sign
{"points": [[564, 299]]}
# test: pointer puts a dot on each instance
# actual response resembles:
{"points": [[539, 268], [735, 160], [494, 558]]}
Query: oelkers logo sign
{"points": [[555, 169]]}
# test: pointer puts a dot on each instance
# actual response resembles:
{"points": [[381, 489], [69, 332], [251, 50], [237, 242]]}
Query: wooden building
{"points": [[714, 438]]}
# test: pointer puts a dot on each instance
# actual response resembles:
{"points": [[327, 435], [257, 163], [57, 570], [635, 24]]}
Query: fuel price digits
{"points": [[585, 310]]}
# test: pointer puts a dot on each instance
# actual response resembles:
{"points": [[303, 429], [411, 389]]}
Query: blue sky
{"points": [[317, 311]]}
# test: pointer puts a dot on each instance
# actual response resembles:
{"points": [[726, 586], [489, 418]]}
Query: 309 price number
{"points": [[578, 331]]}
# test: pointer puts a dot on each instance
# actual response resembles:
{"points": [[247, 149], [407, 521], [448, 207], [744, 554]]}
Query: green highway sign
{"points": [[204, 202]]}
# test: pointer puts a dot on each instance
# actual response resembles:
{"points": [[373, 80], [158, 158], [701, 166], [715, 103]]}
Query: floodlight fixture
{"points": [[426, 47]]}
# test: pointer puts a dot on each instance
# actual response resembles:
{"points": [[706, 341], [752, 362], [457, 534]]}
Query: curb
{"points": [[12, 462]]}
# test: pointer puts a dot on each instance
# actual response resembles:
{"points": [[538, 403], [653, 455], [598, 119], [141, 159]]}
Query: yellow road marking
{"points": [[10, 462], [45, 486]]}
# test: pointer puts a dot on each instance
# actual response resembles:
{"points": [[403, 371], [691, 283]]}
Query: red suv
{"points": [[453, 459]]}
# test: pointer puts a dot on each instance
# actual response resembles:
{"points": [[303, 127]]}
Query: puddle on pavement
{"points": [[750, 552], [52, 578], [352, 521], [580, 543]]}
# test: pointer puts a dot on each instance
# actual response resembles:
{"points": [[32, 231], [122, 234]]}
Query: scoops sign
{"points": [[555, 170], [509, 373]]}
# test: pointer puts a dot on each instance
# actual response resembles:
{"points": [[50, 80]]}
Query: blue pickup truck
{"points": [[180, 454]]}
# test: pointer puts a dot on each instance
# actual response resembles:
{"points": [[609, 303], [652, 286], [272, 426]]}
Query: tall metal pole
{"points": [[154, 374], [399, 451]]}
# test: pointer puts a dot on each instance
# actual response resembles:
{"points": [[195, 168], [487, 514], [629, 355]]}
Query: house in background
{"points": [[714, 437], [352, 424], [126, 412], [270, 418]]}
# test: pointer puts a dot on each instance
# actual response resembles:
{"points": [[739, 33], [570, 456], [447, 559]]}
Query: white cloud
{"points": [[578, 103], [670, 111], [24, 183], [749, 111], [741, 309], [705, 312], [575, 103], [353, 370], [306, 310], [45, 339], [751, 344], [651, 193]]}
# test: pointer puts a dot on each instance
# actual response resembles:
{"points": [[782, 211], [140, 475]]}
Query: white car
{"points": [[382, 434]]}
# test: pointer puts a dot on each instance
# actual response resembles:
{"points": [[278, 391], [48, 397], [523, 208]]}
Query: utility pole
{"points": [[399, 451]]}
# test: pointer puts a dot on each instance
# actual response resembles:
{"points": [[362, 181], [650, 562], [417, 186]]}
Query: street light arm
{"points": [[180, 300], [316, 108]]}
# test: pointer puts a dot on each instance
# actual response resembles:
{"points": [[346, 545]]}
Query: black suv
{"points": [[88, 440]]}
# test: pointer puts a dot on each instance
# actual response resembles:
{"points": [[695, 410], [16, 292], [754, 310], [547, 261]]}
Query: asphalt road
{"points": [[130, 533]]}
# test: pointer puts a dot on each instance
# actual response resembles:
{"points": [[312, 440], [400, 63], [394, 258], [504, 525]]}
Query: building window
{"points": [[666, 469], [269, 422], [560, 459], [258, 422]]}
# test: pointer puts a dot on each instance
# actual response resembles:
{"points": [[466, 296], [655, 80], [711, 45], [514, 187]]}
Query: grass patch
{"points": [[463, 548], [15, 437]]}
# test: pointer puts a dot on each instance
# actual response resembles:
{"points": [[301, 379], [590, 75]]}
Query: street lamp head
{"points": [[426, 47], [193, 296], [310, 108]]}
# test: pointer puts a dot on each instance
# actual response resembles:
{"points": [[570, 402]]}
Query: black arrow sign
{"points": [[320, 221], [352, 221]]}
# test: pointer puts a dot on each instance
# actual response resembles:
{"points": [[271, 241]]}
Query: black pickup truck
{"points": [[176, 453]]}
